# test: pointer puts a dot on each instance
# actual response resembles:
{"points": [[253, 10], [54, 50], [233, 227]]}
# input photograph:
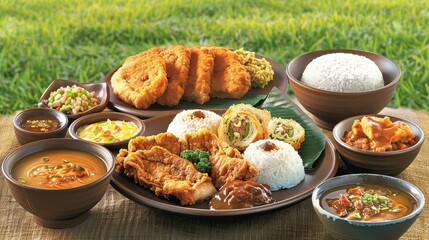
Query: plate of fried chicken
{"points": [[144, 172], [165, 80]]}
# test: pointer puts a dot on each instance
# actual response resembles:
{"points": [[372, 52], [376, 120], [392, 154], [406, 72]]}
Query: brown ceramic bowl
{"points": [[98, 117], [341, 228], [26, 136], [101, 90], [390, 162], [329, 107], [58, 208]]}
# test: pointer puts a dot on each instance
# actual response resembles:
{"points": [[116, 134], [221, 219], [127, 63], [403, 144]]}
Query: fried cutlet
{"points": [[177, 59], [200, 73], [141, 80], [230, 78]]}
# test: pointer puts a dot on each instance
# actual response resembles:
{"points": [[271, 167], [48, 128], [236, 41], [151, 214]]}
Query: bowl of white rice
{"points": [[339, 83], [193, 120], [280, 166]]}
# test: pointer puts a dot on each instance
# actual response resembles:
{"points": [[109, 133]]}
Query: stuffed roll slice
{"points": [[239, 129], [287, 130]]}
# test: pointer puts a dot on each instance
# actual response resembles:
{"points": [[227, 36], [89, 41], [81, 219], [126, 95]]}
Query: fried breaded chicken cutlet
{"points": [[168, 175], [141, 80], [230, 78], [177, 59], [200, 73]]}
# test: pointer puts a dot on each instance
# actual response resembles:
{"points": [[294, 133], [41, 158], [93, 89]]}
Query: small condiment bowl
{"points": [[342, 228], [25, 136], [389, 162], [101, 91], [329, 107], [98, 117], [58, 208]]}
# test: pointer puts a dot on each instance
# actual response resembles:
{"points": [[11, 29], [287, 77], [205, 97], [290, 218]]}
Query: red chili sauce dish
{"points": [[241, 194], [40, 124], [371, 203], [379, 134], [58, 169]]}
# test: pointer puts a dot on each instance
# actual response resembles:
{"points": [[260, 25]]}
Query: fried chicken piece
{"points": [[166, 140], [168, 175], [200, 73], [141, 80], [230, 78], [177, 61]]}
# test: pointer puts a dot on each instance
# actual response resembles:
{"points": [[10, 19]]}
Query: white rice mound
{"points": [[183, 122], [281, 168], [343, 72]]}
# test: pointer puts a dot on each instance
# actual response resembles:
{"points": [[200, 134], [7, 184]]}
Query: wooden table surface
{"points": [[116, 217]]}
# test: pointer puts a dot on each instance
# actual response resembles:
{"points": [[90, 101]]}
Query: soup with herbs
{"points": [[59, 169], [368, 202]]}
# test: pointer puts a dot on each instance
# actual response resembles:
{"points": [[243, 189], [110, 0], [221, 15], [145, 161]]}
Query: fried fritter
{"points": [[230, 78], [168, 175], [200, 73], [177, 60], [141, 80]]}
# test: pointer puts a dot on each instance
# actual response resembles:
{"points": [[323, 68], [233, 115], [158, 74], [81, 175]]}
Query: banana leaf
{"points": [[283, 107]]}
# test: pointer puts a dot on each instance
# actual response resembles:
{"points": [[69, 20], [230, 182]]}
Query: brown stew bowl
{"points": [[328, 107], [98, 117], [342, 228], [58, 208], [389, 162], [101, 91], [25, 136]]}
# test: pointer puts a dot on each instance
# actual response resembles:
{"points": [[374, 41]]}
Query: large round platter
{"points": [[280, 81], [325, 167]]}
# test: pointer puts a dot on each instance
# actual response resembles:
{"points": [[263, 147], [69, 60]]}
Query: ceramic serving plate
{"points": [[324, 168], [280, 81]]}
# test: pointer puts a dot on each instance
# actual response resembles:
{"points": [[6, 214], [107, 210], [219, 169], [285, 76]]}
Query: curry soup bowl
{"points": [[101, 91], [367, 161], [124, 118], [342, 228], [39, 123], [329, 107], [58, 207]]}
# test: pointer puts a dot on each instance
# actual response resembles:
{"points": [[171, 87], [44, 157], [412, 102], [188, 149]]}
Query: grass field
{"points": [[43, 40]]}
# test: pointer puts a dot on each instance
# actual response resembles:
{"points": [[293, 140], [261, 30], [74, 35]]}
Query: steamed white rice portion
{"points": [[343, 72], [184, 122], [281, 168]]}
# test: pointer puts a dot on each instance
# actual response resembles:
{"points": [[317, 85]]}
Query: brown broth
{"points": [[40, 124], [399, 198], [58, 169]]}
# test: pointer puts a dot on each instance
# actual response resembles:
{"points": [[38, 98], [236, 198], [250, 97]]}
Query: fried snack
{"points": [[287, 130], [141, 80], [168, 175], [230, 78], [200, 73], [177, 59], [239, 129], [263, 116]]}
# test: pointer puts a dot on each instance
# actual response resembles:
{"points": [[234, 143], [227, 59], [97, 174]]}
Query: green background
{"points": [[83, 40]]}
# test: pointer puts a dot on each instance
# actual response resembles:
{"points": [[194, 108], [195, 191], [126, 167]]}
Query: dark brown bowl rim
{"points": [[315, 199], [353, 51], [107, 174], [49, 112], [62, 82], [338, 140], [104, 116]]}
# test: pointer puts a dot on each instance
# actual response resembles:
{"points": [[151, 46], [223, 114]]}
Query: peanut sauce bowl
{"points": [[367, 161], [58, 207], [343, 228]]}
